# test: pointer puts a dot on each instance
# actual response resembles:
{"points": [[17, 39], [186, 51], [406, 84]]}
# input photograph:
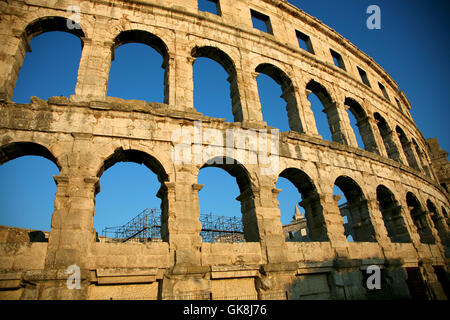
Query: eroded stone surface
{"points": [[89, 132]]}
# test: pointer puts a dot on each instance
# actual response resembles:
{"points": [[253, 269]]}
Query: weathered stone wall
{"points": [[439, 160], [89, 132]]}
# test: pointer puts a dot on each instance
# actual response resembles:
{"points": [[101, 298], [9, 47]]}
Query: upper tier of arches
{"points": [[396, 138]]}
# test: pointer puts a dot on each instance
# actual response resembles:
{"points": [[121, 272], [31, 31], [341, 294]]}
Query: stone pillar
{"points": [[181, 227], [350, 131], [381, 234], [181, 220], [248, 90], [441, 227], [13, 49], [339, 128], [71, 234], [435, 289], [367, 128], [411, 155], [315, 218], [396, 277], [392, 144], [397, 145], [334, 224], [262, 222], [309, 124], [251, 105], [296, 120], [183, 82], [93, 72]]}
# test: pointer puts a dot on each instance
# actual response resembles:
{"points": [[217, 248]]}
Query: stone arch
{"points": [[419, 217], [359, 224], [421, 158], [247, 190], [15, 150], [407, 148], [330, 109], [363, 124], [386, 135], [218, 55], [392, 217], [152, 163], [51, 23], [288, 93], [153, 41], [315, 219], [439, 223], [34, 28]]}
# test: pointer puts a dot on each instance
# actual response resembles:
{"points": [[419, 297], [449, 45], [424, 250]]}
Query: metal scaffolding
{"points": [[146, 226], [221, 228]]}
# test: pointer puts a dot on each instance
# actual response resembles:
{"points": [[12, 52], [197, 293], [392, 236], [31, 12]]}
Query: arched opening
{"points": [[407, 148], [392, 217], [324, 110], [306, 226], [354, 209], [28, 192], [422, 159], [127, 209], [361, 126], [51, 68], [271, 113], [223, 226], [207, 103], [386, 136], [140, 67], [420, 220], [439, 223]]}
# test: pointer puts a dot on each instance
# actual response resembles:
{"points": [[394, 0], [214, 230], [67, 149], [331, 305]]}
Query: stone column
{"points": [[397, 145], [251, 105], [71, 234], [350, 131], [93, 72], [181, 227], [309, 124], [339, 128], [334, 224], [13, 49], [367, 129], [435, 289], [411, 155], [181, 219], [296, 119], [261, 220], [392, 144], [376, 218], [248, 91], [183, 86]]}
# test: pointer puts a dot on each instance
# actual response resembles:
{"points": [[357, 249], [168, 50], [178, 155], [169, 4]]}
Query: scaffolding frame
{"points": [[146, 226]]}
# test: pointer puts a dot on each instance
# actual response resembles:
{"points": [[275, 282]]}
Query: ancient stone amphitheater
{"points": [[397, 203]]}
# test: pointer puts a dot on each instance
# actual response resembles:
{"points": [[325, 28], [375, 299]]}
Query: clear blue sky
{"points": [[412, 47]]}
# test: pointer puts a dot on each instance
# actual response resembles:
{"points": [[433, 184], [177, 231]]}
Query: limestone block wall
{"points": [[390, 184]]}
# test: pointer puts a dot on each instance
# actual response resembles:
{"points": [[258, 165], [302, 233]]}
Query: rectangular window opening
{"points": [[363, 76], [211, 6], [304, 42], [261, 22], [337, 59], [398, 104], [383, 90]]}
